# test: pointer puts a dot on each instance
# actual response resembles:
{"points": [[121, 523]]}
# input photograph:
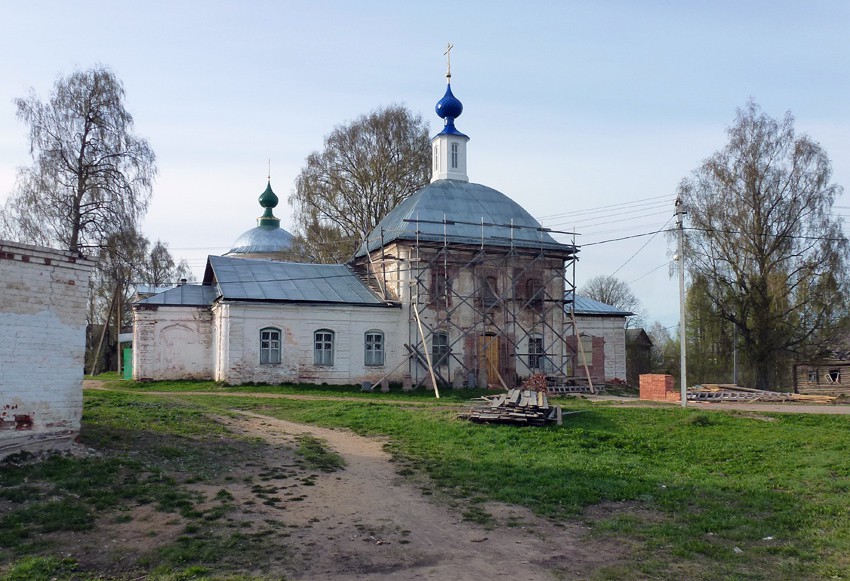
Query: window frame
{"points": [[370, 353], [455, 155], [270, 350], [536, 352], [324, 347], [440, 350], [534, 292]]}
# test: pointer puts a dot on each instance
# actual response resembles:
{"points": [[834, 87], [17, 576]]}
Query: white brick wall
{"points": [[43, 299], [172, 343], [238, 356], [613, 331]]}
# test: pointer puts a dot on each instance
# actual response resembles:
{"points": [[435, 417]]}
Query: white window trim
{"points": [[270, 349], [366, 351], [319, 353]]}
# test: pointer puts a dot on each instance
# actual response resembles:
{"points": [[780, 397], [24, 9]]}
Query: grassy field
{"points": [[692, 494]]}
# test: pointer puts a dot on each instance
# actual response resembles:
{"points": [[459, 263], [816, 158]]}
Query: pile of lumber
{"points": [[518, 406], [730, 392]]}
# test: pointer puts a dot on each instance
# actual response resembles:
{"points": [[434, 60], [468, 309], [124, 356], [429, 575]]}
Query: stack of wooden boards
{"points": [[518, 406], [731, 392]]}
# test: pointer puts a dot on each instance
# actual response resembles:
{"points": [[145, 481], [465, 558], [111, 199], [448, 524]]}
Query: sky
{"points": [[588, 114]]}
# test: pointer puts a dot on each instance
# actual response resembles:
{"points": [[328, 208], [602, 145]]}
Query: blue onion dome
{"points": [[449, 108], [449, 105]]}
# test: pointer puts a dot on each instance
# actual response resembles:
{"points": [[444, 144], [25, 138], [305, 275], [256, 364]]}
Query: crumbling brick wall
{"points": [[43, 300]]}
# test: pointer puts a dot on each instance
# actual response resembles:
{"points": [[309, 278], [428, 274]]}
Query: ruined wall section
{"points": [[43, 301], [172, 342], [238, 354], [612, 330]]}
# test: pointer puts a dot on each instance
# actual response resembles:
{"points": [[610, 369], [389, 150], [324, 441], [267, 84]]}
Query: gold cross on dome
{"points": [[448, 54]]}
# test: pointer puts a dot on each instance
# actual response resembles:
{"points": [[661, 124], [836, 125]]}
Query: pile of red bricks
{"points": [[658, 387]]}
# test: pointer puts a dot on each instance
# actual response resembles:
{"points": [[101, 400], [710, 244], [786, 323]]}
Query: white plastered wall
{"points": [[237, 347], [43, 301], [172, 342]]}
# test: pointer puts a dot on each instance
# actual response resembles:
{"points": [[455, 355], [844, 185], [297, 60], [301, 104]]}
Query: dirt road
{"points": [[366, 522]]}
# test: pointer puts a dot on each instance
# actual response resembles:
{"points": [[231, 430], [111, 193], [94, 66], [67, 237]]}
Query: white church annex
{"points": [[458, 279]]}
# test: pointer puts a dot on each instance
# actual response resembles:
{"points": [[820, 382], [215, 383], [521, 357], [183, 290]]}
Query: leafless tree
{"points": [[615, 292], [365, 169], [762, 236], [91, 176]]}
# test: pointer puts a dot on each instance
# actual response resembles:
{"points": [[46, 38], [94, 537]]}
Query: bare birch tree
{"points": [[91, 175], [762, 236]]}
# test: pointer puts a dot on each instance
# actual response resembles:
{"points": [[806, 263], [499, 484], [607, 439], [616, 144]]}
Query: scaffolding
{"points": [[486, 311]]}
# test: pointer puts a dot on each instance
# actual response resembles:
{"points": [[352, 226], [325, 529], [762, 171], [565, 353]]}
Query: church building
{"points": [[457, 285]]}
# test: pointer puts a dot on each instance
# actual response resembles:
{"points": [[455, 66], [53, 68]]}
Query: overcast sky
{"points": [[586, 113]]}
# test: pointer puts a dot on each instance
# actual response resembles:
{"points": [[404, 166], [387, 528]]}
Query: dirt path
{"points": [[365, 522]]}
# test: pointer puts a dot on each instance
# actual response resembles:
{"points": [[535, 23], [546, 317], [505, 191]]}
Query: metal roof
{"points": [[184, 295], [462, 213], [262, 240], [587, 306], [270, 280]]}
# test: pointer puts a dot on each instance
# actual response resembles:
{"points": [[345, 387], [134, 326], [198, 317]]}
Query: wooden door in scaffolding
{"points": [[488, 357]]}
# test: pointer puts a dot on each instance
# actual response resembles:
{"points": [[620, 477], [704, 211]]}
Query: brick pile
{"points": [[658, 387]]}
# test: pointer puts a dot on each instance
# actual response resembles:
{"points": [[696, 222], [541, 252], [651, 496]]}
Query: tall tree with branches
{"points": [[615, 292], [91, 176], [762, 238], [365, 169]]}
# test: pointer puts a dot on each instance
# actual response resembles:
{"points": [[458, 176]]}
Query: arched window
{"points": [[374, 345], [439, 348], [323, 347], [270, 345]]}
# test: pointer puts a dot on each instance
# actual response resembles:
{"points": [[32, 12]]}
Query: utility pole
{"points": [[680, 212]]}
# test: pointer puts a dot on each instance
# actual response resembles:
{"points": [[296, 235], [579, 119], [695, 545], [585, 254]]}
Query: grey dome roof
{"points": [[463, 206], [262, 240]]}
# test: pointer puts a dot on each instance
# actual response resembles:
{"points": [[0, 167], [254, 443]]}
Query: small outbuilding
{"points": [[43, 300]]}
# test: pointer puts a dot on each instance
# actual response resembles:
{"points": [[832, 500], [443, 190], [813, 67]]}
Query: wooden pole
{"points": [[427, 351], [581, 351]]}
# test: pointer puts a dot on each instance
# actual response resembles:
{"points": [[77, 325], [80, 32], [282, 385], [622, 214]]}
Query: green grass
{"points": [[681, 489], [418, 396], [716, 480]]}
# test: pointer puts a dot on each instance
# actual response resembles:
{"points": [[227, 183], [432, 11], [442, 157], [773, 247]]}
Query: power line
{"points": [[650, 272], [642, 247], [601, 208]]}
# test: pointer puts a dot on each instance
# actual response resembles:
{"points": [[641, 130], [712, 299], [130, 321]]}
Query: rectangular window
{"points": [[269, 346], [374, 348], [489, 292], [440, 289], [323, 349], [535, 352], [454, 155], [436, 157], [439, 348], [813, 376], [534, 293]]}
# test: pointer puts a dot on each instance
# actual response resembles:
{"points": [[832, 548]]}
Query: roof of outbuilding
{"points": [[462, 213], [269, 280], [188, 295], [587, 306]]}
